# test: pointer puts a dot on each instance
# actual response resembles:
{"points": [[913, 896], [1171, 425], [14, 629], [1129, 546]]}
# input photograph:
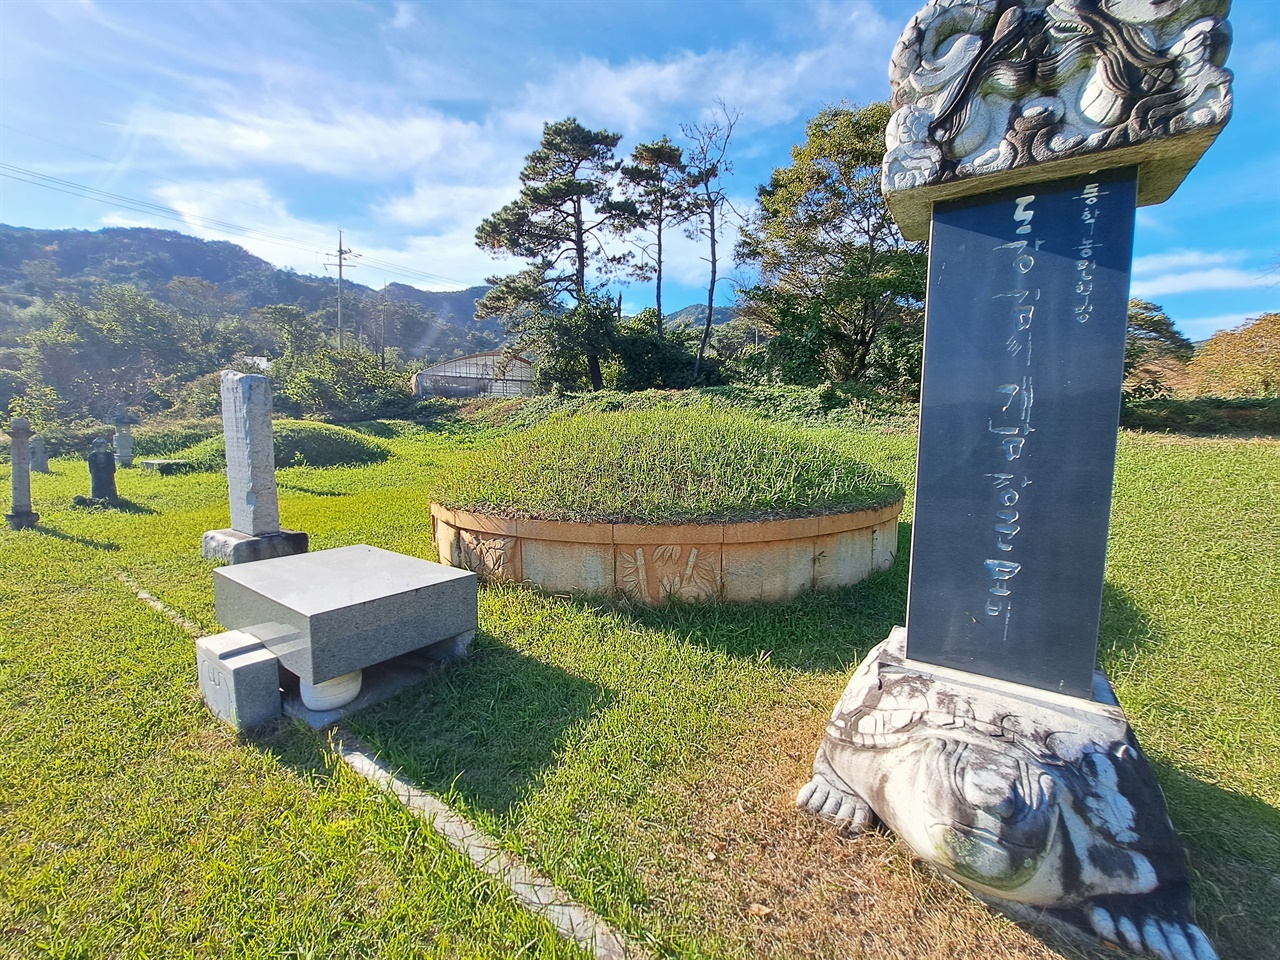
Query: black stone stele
{"points": [[102, 473], [1023, 136], [1020, 404]]}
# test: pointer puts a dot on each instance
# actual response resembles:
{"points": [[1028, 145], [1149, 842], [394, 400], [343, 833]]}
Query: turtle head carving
{"points": [[990, 818]]}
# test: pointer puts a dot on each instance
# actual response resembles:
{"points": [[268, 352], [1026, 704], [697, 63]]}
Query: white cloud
{"points": [[277, 236], [1180, 259], [1215, 278], [303, 119], [1202, 328], [347, 142], [767, 87], [462, 168], [437, 205], [1190, 271], [404, 16]]}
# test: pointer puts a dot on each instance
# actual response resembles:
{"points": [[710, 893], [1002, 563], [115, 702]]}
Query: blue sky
{"points": [[404, 124]]}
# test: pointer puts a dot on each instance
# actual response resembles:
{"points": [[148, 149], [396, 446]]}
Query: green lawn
{"points": [[643, 758]]}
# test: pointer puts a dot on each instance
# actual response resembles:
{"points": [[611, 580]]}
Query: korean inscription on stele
{"points": [[1024, 350]]}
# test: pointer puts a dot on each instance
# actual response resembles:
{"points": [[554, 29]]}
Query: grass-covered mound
{"points": [[664, 465], [170, 439], [298, 443]]}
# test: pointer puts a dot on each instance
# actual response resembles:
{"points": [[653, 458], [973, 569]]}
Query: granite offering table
{"points": [[326, 617]]}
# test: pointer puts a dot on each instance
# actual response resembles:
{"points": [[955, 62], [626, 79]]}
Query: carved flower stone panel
{"points": [[485, 554], [651, 573]]}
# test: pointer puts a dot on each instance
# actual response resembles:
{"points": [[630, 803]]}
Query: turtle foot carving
{"points": [[823, 799], [1042, 804], [1128, 923]]}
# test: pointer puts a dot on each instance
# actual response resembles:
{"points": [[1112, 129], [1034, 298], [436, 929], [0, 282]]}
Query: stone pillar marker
{"points": [[20, 516], [255, 532], [251, 467], [1024, 135]]}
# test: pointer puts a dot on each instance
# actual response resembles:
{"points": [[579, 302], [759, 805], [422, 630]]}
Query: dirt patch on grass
{"points": [[776, 883]]}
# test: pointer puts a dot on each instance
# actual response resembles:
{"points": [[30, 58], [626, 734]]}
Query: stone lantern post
{"points": [[21, 516]]}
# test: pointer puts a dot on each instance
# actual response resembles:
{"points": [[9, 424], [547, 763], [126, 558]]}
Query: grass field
{"points": [[646, 759]]}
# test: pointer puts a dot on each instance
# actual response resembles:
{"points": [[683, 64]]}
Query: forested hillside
{"points": [[41, 264]]}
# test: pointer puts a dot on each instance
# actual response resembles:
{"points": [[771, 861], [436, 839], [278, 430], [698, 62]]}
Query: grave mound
{"points": [[652, 504], [298, 443]]}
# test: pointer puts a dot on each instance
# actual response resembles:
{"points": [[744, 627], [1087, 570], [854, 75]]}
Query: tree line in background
{"points": [[838, 294]]}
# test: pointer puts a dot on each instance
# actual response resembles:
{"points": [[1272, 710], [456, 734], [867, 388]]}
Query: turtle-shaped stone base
{"points": [[1041, 803]]}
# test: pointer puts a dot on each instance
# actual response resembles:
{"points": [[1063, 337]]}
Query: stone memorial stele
{"points": [[20, 515], [1024, 134], [39, 456], [255, 532], [102, 472]]}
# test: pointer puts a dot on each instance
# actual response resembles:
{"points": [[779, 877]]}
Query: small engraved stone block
{"points": [[240, 677], [353, 607]]}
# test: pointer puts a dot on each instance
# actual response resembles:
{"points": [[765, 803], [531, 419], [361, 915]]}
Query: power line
{"points": [[118, 163], [71, 188], [145, 206]]}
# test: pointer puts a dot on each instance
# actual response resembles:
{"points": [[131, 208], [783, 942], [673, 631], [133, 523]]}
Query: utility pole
{"points": [[341, 253], [382, 316]]}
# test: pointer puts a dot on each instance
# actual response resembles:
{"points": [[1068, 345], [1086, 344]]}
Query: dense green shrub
{"points": [[1203, 415], [341, 385], [298, 443], [663, 466]]}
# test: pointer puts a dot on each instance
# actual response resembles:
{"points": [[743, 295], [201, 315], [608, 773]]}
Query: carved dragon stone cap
{"points": [[989, 94]]}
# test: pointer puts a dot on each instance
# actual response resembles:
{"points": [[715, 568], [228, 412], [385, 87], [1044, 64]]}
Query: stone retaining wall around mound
{"points": [[766, 560]]}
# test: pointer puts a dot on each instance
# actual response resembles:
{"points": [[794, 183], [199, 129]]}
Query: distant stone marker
{"points": [[102, 472], [20, 516], [39, 456], [124, 422], [1023, 136], [255, 532]]}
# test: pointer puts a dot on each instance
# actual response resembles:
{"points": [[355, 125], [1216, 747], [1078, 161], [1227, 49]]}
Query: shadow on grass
{"points": [[1125, 629], [120, 505], [1232, 839], [293, 744], [128, 506], [295, 488], [821, 632], [72, 538], [1233, 844], [482, 730]]}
